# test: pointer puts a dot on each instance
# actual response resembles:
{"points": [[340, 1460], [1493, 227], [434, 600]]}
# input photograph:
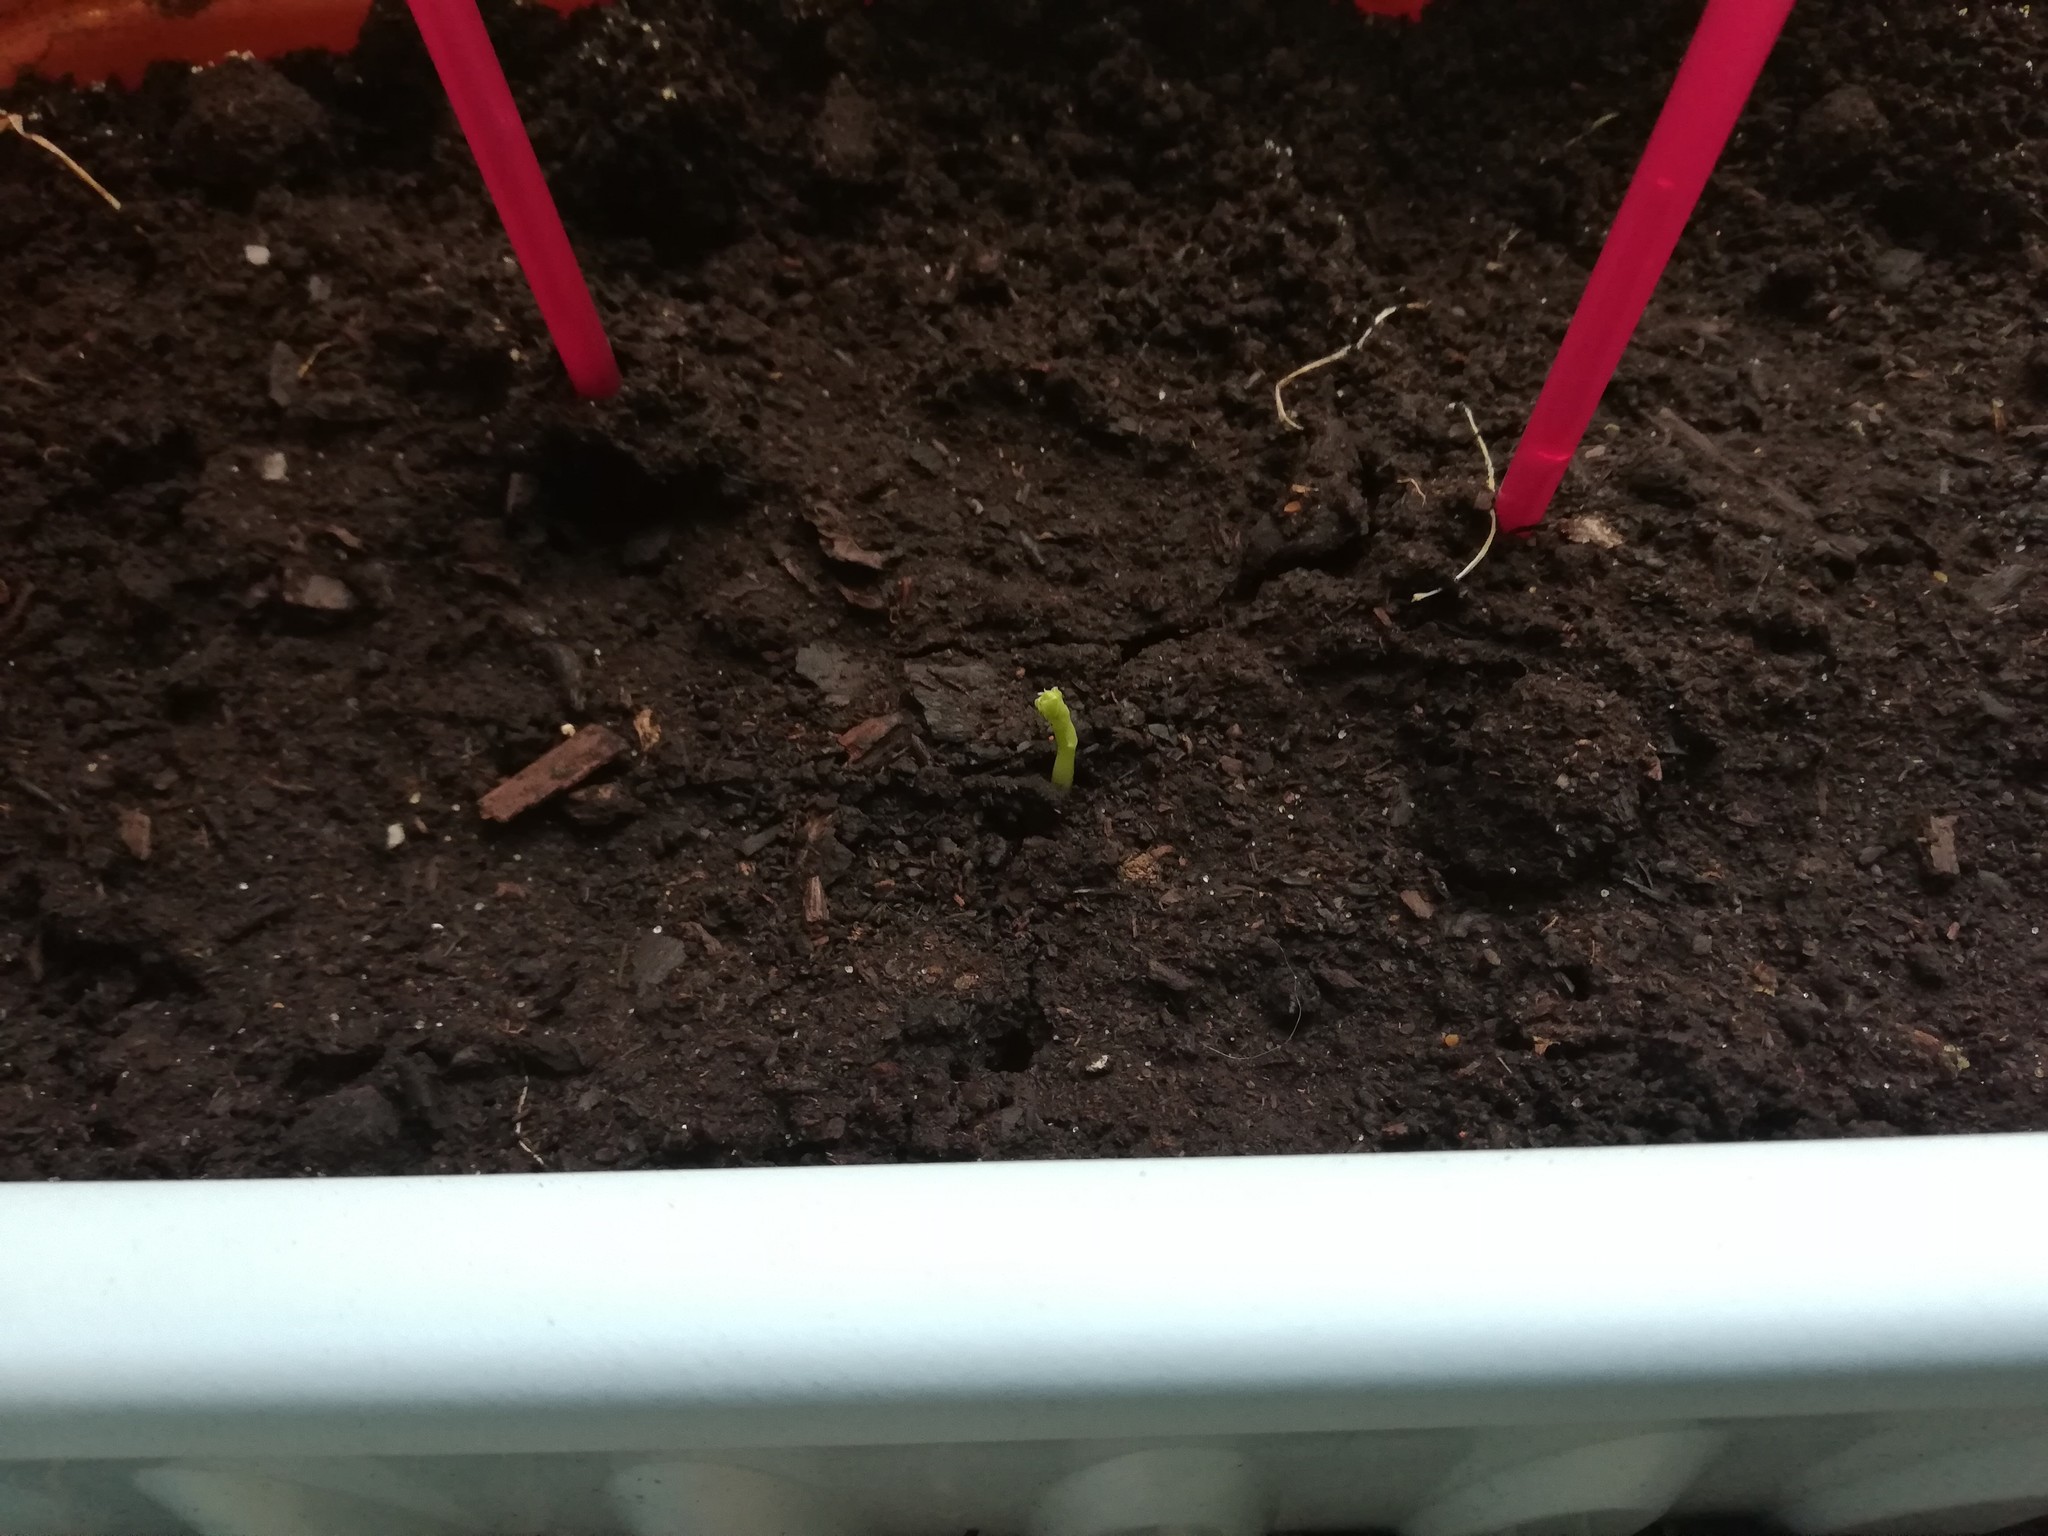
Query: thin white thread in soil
{"points": [[1492, 517], [1280, 405]]}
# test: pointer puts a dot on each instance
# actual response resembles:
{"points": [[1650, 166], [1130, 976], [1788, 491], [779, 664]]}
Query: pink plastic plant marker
{"points": [[475, 82], [1720, 68]]}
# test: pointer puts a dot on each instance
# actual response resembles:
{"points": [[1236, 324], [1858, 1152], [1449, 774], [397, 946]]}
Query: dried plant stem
{"points": [[1280, 404], [1492, 518], [11, 121]]}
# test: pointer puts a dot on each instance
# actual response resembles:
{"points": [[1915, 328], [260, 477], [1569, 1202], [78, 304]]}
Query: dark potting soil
{"points": [[951, 335]]}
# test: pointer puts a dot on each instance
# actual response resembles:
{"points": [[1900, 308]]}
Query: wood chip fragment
{"points": [[869, 734], [135, 833], [559, 768], [645, 730], [1938, 1049], [1942, 858], [698, 932], [320, 594], [817, 911], [795, 571], [846, 550], [864, 598], [1143, 868], [838, 544], [1418, 904], [1177, 982], [1596, 531]]}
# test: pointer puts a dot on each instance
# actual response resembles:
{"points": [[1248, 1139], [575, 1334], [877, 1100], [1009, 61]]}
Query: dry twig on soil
{"points": [[1722, 459], [519, 1129], [12, 122], [563, 766]]}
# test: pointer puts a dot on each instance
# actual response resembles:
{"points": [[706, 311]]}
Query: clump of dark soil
{"points": [[1543, 793], [950, 335]]}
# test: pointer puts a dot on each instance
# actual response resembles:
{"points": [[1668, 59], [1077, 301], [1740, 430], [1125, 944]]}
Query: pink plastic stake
{"points": [[1720, 68], [475, 82]]}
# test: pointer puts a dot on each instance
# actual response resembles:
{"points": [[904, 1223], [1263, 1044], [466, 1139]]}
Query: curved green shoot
{"points": [[1053, 706]]}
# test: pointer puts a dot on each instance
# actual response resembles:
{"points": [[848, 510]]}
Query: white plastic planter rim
{"points": [[1842, 1336]]}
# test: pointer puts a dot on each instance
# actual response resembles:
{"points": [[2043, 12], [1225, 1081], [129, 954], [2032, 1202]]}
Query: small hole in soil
{"points": [[1012, 1051], [135, 971], [324, 1072], [103, 1132], [596, 492]]}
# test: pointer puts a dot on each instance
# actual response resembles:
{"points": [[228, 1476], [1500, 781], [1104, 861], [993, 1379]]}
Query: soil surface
{"points": [[950, 335]]}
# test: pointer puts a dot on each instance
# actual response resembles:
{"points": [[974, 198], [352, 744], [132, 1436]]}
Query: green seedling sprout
{"points": [[1053, 706]]}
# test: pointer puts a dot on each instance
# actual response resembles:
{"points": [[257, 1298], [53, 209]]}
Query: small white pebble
{"points": [[394, 837], [273, 466], [259, 255]]}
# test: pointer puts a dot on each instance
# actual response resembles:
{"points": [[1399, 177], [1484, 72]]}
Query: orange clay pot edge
{"points": [[94, 40]]}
